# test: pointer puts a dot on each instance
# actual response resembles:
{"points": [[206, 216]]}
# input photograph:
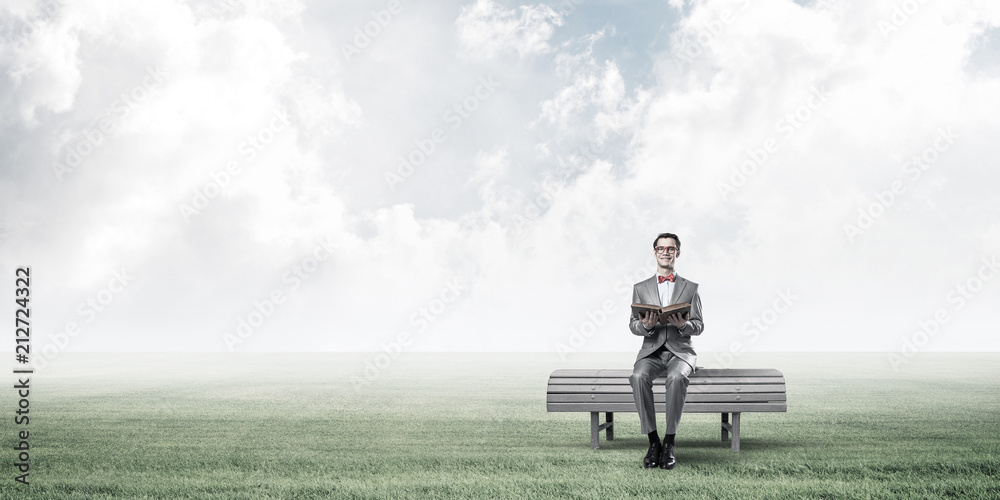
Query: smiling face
{"points": [[666, 253]]}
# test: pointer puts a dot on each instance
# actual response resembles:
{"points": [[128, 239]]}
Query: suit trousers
{"points": [[676, 371]]}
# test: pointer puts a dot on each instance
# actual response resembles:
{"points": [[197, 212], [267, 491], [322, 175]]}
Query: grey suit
{"points": [[676, 360]]}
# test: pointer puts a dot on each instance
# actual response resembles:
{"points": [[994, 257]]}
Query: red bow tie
{"points": [[669, 278]]}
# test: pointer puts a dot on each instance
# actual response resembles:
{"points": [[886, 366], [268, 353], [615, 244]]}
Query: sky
{"points": [[255, 176]]}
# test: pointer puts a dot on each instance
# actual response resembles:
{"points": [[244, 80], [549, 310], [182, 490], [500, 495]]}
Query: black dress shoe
{"points": [[652, 456], [667, 460]]}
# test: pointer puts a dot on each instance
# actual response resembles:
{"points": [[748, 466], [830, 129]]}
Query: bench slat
{"points": [[660, 397], [693, 380], [709, 388], [661, 407]]}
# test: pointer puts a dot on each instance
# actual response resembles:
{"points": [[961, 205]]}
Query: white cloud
{"points": [[41, 63], [485, 29], [887, 99], [543, 227], [591, 107], [489, 166]]}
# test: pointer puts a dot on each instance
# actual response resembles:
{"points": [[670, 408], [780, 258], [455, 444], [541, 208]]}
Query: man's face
{"points": [[666, 251]]}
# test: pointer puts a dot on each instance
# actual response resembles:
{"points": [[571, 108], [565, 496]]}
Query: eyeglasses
{"points": [[666, 250]]}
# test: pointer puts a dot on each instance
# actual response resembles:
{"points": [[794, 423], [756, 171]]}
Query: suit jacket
{"points": [[677, 341]]}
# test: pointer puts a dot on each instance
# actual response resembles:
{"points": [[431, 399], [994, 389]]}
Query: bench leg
{"points": [[736, 431], [725, 426], [610, 434], [595, 429]]}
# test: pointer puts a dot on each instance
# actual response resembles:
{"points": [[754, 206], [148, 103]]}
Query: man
{"points": [[666, 349]]}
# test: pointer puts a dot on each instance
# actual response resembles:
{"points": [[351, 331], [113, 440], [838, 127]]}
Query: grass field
{"points": [[475, 426]]}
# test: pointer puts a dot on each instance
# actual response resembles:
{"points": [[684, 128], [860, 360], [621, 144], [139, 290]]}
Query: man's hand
{"points": [[677, 319], [649, 319]]}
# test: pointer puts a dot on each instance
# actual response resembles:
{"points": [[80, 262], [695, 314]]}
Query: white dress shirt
{"points": [[666, 290]]}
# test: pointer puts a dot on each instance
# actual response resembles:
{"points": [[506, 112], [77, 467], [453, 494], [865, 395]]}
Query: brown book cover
{"points": [[638, 310]]}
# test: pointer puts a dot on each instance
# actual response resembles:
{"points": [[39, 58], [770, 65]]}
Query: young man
{"points": [[666, 348]]}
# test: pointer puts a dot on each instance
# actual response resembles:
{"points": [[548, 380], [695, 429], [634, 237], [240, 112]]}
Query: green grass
{"points": [[475, 426]]}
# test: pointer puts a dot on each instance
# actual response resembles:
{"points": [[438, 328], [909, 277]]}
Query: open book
{"points": [[638, 310]]}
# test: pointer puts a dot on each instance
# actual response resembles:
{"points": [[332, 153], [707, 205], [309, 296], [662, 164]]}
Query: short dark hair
{"points": [[667, 235]]}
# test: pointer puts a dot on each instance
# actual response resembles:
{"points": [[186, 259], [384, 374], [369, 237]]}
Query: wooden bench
{"points": [[711, 390]]}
